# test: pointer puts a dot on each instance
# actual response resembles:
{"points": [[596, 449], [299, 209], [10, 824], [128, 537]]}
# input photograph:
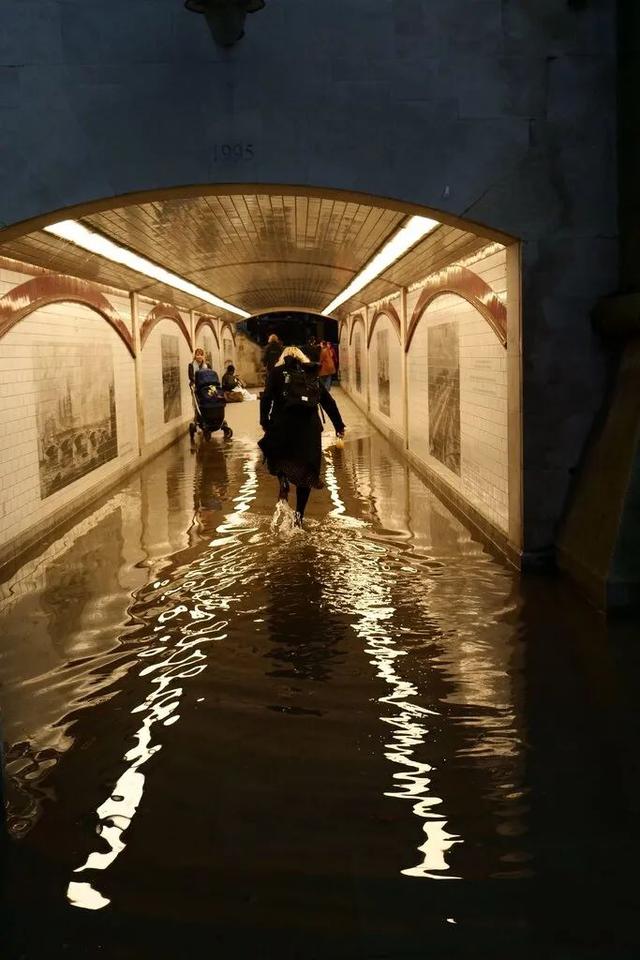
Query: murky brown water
{"points": [[369, 739]]}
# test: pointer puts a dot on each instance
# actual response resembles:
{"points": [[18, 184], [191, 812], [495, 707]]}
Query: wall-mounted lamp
{"points": [[225, 17]]}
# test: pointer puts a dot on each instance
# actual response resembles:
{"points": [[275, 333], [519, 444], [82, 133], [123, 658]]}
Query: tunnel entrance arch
{"points": [[235, 252]]}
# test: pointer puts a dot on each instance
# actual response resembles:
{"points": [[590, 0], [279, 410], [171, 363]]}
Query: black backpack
{"points": [[301, 389]]}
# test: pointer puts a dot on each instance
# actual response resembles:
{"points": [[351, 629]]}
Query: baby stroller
{"points": [[208, 406]]}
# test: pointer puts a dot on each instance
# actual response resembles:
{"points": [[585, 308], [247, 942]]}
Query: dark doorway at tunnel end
{"points": [[292, 327]]}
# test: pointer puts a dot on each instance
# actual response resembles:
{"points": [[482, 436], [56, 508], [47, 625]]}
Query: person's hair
{"points": [[230, 367], [272, 338], [199, 350], [294, 352]]}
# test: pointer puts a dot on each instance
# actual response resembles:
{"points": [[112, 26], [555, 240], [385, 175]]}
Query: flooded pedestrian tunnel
{"points": [[370, 737]]}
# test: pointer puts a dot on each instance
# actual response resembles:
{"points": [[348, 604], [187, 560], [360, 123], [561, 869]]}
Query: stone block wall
{"points": [[249, 361]]}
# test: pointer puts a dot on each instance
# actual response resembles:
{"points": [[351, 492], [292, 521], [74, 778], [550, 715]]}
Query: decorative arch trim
{"points": [[54, 288], [227, 326], [464, 283], [163, 311], [359, 318], [206, 322], [343, 325], [392, 314]]}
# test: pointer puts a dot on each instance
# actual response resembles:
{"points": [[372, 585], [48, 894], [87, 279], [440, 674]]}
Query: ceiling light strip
{"points": [[414, 230], [77, 233]]}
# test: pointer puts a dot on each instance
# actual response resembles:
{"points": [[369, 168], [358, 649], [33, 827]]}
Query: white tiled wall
{"points": [[12, 278], [154, 422], [21, 504], [483, 479], [122, 303], [395, 374], [483, 406]]}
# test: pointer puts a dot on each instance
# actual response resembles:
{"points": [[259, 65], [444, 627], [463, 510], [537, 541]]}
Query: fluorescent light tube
{"points": [[95, 243], [415, 229]]}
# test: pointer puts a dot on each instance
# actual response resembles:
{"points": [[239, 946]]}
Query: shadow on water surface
{"points": [[366, 739]]}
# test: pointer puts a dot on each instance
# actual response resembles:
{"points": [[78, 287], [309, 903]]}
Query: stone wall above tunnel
{"points": [[513, 100]]}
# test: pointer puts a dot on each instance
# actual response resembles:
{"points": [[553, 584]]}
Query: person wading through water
{"points": [[289, 417]]}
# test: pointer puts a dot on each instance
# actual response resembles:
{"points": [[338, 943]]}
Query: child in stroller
{"points": [[208, 406]]}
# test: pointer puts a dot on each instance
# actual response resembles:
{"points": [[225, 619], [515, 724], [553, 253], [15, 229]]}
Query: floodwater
{"points": [[225, 737]]}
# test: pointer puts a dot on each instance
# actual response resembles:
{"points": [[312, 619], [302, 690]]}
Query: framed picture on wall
{"points": [[171, 392], [384, 387], [75, 411], [357, 360], [443, 363]]}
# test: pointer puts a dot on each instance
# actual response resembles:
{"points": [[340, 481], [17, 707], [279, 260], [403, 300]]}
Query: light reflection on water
{"points": [[382, 629], [181, 661], [361, 561], [364, 591]]}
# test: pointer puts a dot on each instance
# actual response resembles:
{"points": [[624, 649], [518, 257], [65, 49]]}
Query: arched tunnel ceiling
{"points": [[257, 251]]}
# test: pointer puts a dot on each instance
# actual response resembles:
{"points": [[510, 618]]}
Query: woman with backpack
{"points": [[289, 416]]}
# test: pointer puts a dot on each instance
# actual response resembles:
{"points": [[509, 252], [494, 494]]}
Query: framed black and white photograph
{"points": [[75, 411], [444, 394], [171, 392], [357, 350], [384, 387]]}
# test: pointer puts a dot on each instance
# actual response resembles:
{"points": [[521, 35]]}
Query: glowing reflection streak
{"points": [[185, 661], [331, 482], [369, 599]]}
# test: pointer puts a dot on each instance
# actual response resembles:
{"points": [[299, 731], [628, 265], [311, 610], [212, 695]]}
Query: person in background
{"points": [[292, 429], [233, 386], [336, 358], [271, 353], [312, 350], [198, 363], [327, 366]]}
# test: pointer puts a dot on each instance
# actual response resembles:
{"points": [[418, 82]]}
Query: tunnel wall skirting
{"points": [[434, 374], [84, 399]]}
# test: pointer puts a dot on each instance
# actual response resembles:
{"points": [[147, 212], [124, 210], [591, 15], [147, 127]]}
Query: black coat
{"points": [[292, 441], [229, 382], [271, 355]]}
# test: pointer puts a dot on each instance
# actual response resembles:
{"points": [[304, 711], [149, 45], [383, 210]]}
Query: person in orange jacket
{"points": [[327, 365]]}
